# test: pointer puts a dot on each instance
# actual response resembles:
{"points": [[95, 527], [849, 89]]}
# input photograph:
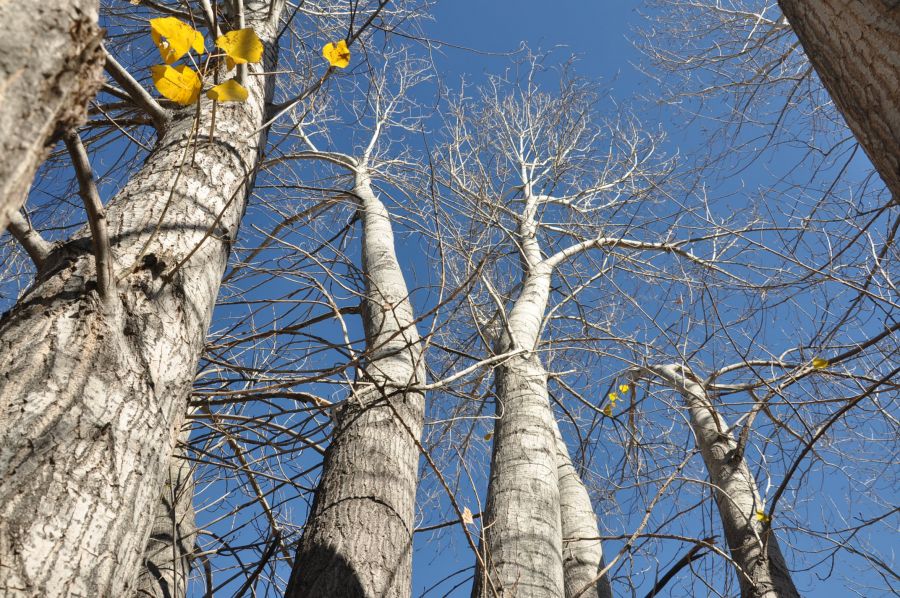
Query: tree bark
{"points": [[51, 65], [854, 46], [582, 549], [754, 548], [169, 552], [358, 538], [93, 394], [522, 541]]}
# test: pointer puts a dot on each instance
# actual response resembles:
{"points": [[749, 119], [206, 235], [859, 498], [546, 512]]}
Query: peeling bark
{"points": [[92, 397], [51, 65], [582, 555], [358, 539], [754, 548], [854, 46]]}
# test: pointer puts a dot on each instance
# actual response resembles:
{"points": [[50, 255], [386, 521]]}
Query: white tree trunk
{"points": [[92, 395], [51, 65], [854, 46], [753, 545], [522, 541], [357, 541], [582, 549], [169, 552]]}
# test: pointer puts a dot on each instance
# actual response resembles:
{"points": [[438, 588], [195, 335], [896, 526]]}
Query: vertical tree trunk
{"points": [[582, 549], [753, 545], [522, 535], [854, 46], [168, 555], [51, 65], [92, 395], [358, 538]]}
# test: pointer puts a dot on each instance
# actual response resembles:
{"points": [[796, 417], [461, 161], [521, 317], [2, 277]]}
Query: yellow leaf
{"points": [[174, 38], [467, 516], [240, 47], [613, 397], [488, 436], [761, 516], [623, 388], [819, 363], [607, 411], [180, 84], [337, 54], [230, 91]]}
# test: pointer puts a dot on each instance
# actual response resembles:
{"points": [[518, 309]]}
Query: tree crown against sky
{"points": [[759, 239]]}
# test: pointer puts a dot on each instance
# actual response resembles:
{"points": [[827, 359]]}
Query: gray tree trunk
{"points": [[854, 46], [754, 547], [582, 549], [358, 538], [169, 552], [51, 64], [522, 541], [93, 395]]}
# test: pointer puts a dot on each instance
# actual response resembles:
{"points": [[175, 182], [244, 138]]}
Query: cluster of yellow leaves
{"points": [[240, 47], [613, 397], [182, 84], [337, 54], [175, 38]]}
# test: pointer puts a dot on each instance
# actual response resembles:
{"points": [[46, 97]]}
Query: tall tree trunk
{"points": [[582, 549], [522, 535], [93, 393], [51, 65], [358, 538], [753, 545], [169, 552], [854, 46]]}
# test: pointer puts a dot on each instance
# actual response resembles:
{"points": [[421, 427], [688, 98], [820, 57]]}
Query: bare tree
{"points": [[521, 160], [357, 540], [761, 568], [51, 62]]}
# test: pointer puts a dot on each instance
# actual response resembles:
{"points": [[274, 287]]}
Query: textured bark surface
{"points": [[358, 538], [168, 555], [582, 556], [753, 545], [92, 396], [51, 64], [854, 46], [522, 541]]}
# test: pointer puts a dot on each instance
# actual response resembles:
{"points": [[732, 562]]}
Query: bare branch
{"points": [[103, 256], [34, 244]]}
